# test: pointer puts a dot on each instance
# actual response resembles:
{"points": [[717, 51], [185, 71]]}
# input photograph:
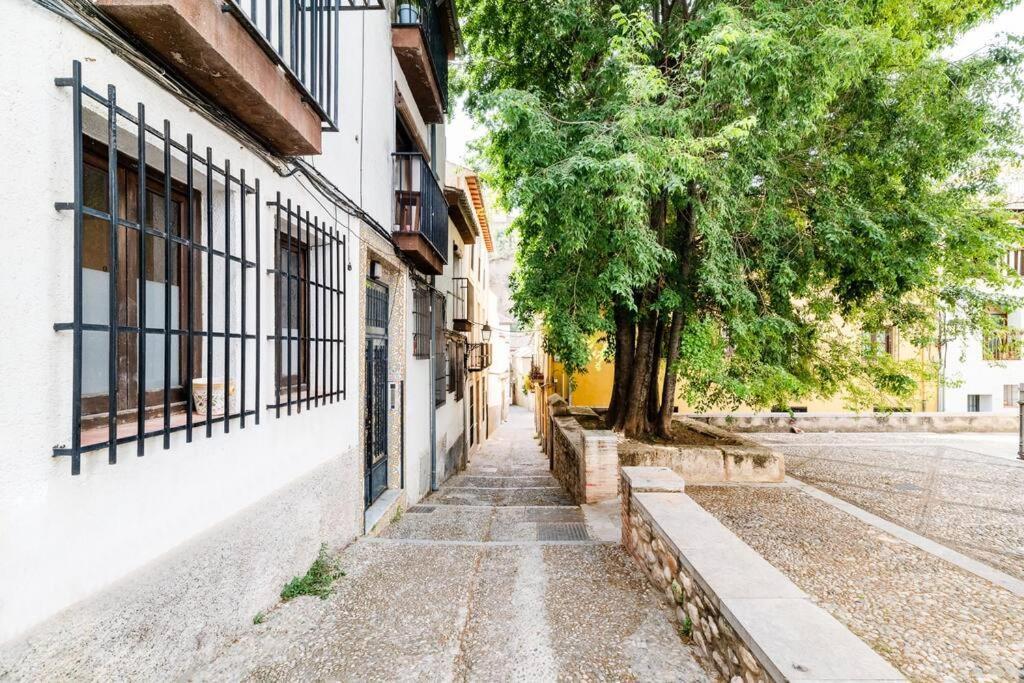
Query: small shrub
{"points": [[686, 628], [317, 581], [258, 619]]}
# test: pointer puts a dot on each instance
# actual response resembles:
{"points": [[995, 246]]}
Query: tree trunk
{"points": [[635, 422], [653, 392], [668, 392], [625, 341]]}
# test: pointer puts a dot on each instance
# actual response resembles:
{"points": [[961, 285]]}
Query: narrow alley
{"points": [[494, 577]]}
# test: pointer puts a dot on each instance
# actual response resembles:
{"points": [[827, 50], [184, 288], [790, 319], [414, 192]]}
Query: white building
{"points": [[289, 166], [983, 373]]}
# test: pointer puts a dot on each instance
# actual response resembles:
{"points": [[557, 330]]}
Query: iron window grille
{"points": [[309, 331], [421, 327], [440, 350], [1015, 260], [128, 235], [303, 37]]}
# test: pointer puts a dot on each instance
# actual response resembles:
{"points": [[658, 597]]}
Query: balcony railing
{"points": [[425, 15], [420, 207], [463, 300], [478, 357], [303, 37], [1004, 345]]}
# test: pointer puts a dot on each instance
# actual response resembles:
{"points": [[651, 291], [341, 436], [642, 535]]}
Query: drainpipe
{"points": [[430, 395]]}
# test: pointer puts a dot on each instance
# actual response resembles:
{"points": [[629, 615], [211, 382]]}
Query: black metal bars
{"points": [[421, 327], [142, 235], [310, 330], [420, 205], [440, 348], [303, 37]]}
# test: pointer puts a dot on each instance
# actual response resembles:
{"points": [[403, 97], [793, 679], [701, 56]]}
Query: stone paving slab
{"points": [[501, 497], [467, 592], [928, 618], [959, 491], [377, 626]]}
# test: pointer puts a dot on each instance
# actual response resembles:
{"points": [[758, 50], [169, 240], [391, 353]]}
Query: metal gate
{"points": [[376, 420]]}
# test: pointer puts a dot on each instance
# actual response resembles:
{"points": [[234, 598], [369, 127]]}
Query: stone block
{"points": [[653, 480], [746, 464], [799, 641]]}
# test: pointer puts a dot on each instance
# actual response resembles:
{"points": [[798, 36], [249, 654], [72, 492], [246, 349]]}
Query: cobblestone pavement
{"points": [[493, 578], [963, 491], [930, 619]]}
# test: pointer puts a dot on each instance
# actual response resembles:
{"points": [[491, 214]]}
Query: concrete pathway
{"points": [[495, 577]]}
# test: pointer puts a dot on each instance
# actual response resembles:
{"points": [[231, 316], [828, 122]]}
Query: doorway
{"points": [[376, 419]]}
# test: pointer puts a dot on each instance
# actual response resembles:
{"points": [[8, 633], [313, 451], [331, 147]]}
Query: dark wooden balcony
{"points": [[422, 35], [478, 357], [421, 214], [463, 304], [272, 64]]}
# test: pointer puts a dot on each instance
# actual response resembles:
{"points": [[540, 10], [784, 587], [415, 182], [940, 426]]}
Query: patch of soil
{"points": [[685, 436]]}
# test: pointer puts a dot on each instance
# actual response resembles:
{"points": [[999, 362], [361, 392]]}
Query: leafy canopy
{"points": [[836, 171]]}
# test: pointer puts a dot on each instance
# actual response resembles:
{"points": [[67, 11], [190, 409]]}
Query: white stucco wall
{"points": [[64, 538]]}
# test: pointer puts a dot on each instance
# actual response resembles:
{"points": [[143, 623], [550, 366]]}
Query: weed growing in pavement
{"points": [[258, 619], [317, 581]]}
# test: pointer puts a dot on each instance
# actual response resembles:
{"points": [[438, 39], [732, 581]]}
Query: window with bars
{"points": [[309, 331], [421, 321], [1015, 260], [440, 351], [165, 296]]}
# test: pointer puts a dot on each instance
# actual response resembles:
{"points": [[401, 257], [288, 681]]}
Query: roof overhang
{"points": [[462, 213]]}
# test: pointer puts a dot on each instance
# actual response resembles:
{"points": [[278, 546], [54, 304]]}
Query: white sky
{"points": [[461, 130]]}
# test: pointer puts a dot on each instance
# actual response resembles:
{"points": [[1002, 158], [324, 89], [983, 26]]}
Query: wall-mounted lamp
{"points": [[375, 270]]}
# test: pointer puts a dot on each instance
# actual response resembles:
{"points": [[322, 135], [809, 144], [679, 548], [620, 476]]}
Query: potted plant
{"points": [[200, 385], [408, 12]]}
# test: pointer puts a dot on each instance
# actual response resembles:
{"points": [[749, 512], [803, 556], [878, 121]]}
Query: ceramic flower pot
{"points": [[199, 388]]}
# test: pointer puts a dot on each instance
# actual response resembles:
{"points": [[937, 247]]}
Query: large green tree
{"points": [[729, 188]]}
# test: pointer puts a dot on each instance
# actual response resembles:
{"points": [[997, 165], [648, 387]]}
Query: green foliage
{"points": [[686, 628], [838, 174], [259, 618], [318, 580]]}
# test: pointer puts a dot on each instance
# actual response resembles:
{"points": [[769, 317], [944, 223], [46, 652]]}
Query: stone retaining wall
{"points": [[734, 458], [584, 461], [751, 622], [587, 461], [945, 423]]}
